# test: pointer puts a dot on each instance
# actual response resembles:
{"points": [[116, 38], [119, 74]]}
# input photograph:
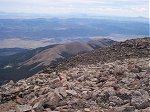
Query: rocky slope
{"points": [[134, 48], [120, 84]]}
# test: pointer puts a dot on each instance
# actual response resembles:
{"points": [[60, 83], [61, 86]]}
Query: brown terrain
{"points": [[111, 79], [47, 56]]}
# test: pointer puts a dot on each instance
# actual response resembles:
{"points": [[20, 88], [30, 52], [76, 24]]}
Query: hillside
{"points": [[25, 64], [62, 51], [122, 50], [116, 82]]}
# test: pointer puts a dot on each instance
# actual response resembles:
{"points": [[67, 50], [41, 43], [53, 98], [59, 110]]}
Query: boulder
{"points": [[87, 110], [52, 99], [11, 82], [11, 111], [116, 100], [71, 92], [38, 106], [108, 91], [140, 99], [146, 110], [124, 93], [23, 108], [60, 92], [55, 83]]}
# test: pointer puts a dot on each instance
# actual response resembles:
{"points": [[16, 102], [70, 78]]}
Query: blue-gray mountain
{"points": [[70, 28]]}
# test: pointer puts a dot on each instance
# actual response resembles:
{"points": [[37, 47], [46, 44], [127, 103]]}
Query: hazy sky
{"points": [[90, 7]]}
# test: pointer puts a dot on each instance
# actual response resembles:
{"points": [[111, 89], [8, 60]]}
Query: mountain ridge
{"points": [[119, 50], [28, 63]]}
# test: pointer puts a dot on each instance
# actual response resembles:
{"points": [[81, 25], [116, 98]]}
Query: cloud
{"points": [[98, 7]]}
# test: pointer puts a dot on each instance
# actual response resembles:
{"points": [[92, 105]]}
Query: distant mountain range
{"points": [[69, 28], [58, 30], [29, 62], [10, 15]]}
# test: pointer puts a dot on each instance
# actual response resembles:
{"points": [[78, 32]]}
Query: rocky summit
{"points": [[119, 84]]}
